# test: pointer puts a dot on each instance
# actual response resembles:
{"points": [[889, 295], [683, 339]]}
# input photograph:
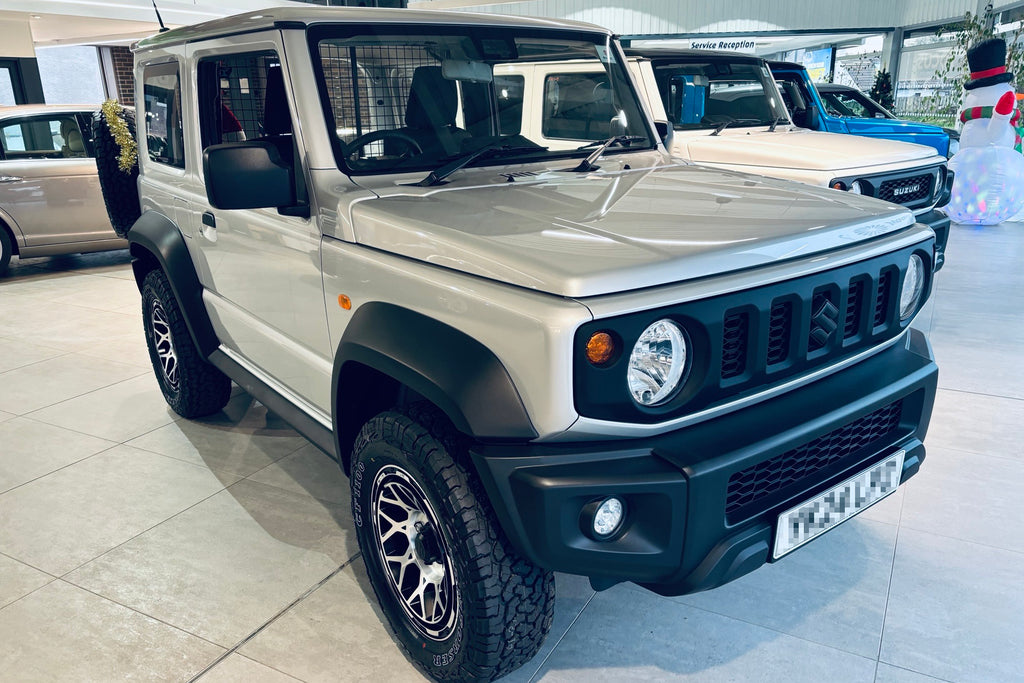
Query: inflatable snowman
{"points": [[989, 183]]}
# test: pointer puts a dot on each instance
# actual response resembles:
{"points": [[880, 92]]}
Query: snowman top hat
{"points": [[988, 64]]}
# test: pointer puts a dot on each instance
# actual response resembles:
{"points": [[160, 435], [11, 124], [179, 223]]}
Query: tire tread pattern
{"points": [[202, 388], [508, 600], [120, 190]]}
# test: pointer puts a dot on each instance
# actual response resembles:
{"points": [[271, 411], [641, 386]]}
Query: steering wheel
{"points": [[384, 134]]}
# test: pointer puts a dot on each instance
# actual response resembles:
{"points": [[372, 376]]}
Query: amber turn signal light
{"points": [[600, 348], [344, 302]]}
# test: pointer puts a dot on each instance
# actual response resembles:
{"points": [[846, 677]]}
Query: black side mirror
{"points": [[665, 131], [813, 117], [247, 175]]}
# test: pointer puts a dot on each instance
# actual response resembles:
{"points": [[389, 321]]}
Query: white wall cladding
{"points": [[649, 17]]}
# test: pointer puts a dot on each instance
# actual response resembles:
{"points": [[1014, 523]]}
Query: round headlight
{"points": [[913, 287], [856, 187], [657, 363]]}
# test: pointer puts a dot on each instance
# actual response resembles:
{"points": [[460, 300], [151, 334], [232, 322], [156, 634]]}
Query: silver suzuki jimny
{"points": [[581, 356]]}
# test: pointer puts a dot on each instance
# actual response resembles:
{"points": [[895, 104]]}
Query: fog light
{"points": [[606, 517], [856, 187]]}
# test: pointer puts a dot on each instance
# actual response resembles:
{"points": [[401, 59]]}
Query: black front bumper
{"points": [[702, 501], [939, 222]]}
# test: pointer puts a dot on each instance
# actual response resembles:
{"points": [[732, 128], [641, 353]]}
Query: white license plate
{"points": [[814, 517]]}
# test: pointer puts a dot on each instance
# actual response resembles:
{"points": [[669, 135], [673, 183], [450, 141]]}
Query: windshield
{"points": [[848, 103], [707, 94], [415, 100]]}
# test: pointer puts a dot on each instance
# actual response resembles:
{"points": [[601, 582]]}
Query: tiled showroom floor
{"points": [[137, 545]]}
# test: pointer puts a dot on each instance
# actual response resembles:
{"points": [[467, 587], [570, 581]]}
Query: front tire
{"points": [[461, 601], [191, 386], [6, 249]]}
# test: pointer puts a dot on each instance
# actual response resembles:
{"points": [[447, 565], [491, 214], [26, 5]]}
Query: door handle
{"points": [[209, 219], [9, 178]]}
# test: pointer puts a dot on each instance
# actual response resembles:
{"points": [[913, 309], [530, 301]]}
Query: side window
{"points": [[577, 107], [161, 87], [509, 91], [851, 105], [43, 137], [242, 98]]}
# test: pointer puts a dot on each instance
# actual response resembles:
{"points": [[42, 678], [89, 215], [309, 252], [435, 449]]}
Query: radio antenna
{"points": [[159, 19]]}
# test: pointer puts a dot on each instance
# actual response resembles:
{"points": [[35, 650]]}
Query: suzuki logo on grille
{"points": [[899, 191], [824, 322]]}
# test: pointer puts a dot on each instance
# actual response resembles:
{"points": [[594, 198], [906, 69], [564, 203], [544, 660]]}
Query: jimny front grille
{"points": [[906, 190]]}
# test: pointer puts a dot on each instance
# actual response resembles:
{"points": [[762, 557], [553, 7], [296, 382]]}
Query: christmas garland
{"points": [[122, 136]]}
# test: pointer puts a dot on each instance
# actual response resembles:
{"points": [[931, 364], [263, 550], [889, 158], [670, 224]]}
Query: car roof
{"points": [[654, 53], [786, 65], [835, 87], [301, 17], [33, 109]]}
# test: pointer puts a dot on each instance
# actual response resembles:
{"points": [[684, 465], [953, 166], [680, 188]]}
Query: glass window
{"points": [[70, 74], [419, 99], [509, 93], [707, 94], [845, 104], [578, 107], [242, 98], [44, 137], [161, 89]]}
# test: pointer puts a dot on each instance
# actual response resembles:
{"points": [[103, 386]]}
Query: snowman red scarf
{"points": [[986, 113]]}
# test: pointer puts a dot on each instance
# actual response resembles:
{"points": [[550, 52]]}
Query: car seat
{"points": [[430, 114], [74, 144]]}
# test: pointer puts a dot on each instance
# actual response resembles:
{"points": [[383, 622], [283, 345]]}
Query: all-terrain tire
{"points": [[120, 189], [6, 249], [191, 386], [483, 610]]}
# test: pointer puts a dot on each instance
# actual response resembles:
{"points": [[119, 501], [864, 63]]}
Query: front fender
{"points": [[447, 367]]}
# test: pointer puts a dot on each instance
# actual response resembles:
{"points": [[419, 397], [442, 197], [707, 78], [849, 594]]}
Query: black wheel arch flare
{"points": [[444, 365], [154, 240]]}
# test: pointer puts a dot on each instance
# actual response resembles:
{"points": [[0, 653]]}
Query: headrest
{"points": [[433, 99], [66, 126], [75, 142]]}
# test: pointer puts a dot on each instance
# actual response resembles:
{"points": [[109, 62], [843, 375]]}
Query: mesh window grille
{"points": [[360, 76], [241, 91]]}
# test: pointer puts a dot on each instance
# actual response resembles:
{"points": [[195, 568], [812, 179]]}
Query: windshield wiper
{"points": [[725, 124], [588, 165], [776, 122], [495, 149]]}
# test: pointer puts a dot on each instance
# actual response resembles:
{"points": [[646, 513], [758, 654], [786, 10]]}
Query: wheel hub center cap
{"points": [[425, 549]]}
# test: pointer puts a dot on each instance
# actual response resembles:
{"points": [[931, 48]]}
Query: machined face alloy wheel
{"points": [[414, 554], [164, 344]]}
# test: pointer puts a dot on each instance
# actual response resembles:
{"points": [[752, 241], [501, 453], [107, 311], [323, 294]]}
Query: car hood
{"points": [[795, 148], [617, 229]]}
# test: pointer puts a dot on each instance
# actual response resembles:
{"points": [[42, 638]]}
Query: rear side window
{"points": [[578, 107], [509, 93], [242, 97], [56, 136], [161, 87]]}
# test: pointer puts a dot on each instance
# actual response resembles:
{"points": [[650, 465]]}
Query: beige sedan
{"points": [[50, 201]]}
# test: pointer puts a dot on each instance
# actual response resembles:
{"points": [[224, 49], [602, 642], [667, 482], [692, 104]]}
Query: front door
{"points": [[263, 267]]}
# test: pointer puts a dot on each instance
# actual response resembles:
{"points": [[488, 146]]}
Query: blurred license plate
{"points": [[816, 516]]}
